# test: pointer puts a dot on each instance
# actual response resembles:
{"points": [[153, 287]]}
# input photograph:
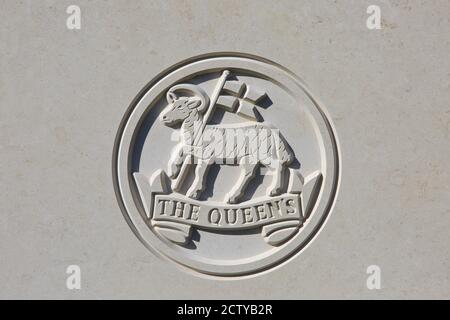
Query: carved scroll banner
{"points": [[173, 215], [227, 217]]}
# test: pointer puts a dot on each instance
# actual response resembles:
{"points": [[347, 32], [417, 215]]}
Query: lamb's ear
{"points": [[171, 97], [193, 103]]}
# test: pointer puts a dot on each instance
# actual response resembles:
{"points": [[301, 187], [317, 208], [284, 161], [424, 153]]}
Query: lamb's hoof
{"points": [[172, 173], [232, 200], [275, 192], [194, 194]]}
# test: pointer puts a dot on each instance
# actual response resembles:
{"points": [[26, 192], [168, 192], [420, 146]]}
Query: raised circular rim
{"points": [[217, 268]]}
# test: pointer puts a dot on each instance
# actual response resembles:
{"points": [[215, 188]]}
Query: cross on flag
{"points": [[240, 98]]}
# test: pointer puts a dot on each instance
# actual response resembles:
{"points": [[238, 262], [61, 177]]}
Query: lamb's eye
{"points": [[180, 107]]}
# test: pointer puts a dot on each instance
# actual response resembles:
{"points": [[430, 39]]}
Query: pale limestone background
{"points": [[63, 94]]}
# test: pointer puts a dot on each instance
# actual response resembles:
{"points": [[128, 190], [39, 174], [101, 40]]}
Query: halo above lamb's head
{"points": [[188, 91]]}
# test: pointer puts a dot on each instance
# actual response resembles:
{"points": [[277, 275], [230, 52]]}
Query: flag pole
{"points": [[213, 101], [214, 96]]}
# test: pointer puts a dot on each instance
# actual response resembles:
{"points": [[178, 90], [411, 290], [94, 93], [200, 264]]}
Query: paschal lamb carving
{"points": [[226, 165]]}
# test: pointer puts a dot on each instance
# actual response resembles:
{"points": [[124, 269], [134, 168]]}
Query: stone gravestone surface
{"points": [[235, 149]]}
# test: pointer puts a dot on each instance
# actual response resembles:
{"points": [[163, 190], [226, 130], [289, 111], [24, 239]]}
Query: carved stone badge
{"points": [[226, 165]]}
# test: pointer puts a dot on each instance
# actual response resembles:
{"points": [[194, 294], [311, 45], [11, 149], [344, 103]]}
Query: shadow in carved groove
{"points": [[143, 131]]}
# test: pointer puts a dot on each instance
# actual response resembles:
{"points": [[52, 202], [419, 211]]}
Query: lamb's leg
{"points": [[278, 172], [248, 171], [198, 185], [175, 161]]}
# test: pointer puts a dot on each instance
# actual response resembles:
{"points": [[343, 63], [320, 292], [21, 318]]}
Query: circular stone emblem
{"points": [[226, 165]]}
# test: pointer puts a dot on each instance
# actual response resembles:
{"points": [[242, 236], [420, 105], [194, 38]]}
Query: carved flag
{"points": [[240, 98]]}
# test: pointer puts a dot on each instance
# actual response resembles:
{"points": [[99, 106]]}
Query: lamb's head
{"points": [[179, 110], [185, 100]]}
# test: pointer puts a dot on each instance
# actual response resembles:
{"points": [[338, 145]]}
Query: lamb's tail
{"points": [[285, 153]]}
